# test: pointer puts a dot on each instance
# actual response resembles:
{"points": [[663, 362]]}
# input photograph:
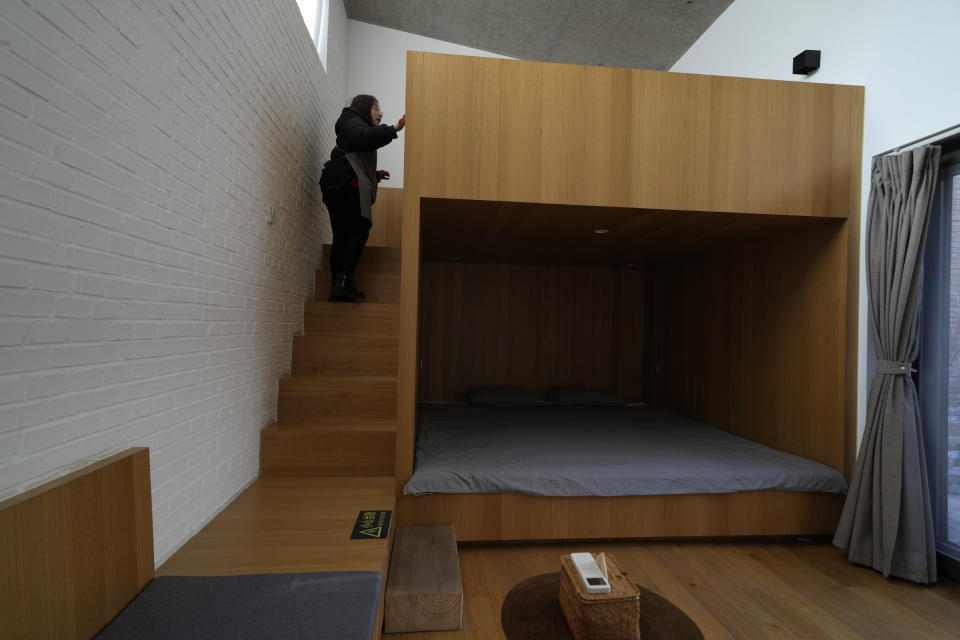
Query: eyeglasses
{"points": [[377, 109]]}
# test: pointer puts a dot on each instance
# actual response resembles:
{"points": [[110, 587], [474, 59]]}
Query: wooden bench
{"points": [[75, 551]]}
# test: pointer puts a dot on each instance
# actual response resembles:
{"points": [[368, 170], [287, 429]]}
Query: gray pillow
{"points": [[584, 397], [505, 397]]}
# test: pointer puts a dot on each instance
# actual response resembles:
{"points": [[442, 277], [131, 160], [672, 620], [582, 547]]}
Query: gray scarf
{"points": [[364, 164]]}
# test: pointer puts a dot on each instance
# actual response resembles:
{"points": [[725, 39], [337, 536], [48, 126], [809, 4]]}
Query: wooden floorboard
{"points": [[763, 590]]}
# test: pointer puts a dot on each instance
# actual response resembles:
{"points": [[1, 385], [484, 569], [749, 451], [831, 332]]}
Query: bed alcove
{"points": [[725, 290]]}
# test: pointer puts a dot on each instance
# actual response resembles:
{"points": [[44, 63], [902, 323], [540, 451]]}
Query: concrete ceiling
{"points": [[639, 34]]}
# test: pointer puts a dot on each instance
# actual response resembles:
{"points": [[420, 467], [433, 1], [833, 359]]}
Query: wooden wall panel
{"points": [[520, 131], [387, 218], [752, 338], [531, 327], [76, 550], [528, 132]]}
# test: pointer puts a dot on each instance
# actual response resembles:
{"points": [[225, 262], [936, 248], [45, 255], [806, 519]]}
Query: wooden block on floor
{"points": [[424, 591]]}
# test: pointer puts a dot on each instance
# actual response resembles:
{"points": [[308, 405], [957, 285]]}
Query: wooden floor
{"points": [[289, 525], [801, 591], [795, 590]]}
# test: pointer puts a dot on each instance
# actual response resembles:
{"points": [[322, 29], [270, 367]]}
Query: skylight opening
{"points": [[316, 15]]}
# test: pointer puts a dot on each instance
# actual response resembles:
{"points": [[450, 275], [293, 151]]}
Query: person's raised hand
{"points": [[401, 123]]}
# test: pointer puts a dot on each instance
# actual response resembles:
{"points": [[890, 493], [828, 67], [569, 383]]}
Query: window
{"points": [[316, 15], [939, 361]]}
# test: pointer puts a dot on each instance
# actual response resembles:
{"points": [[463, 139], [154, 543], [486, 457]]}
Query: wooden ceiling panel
{"points": [[480, 231]]}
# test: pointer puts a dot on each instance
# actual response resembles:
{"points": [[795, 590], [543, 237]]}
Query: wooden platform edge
{"points": [[488, 517], [384, 574]]}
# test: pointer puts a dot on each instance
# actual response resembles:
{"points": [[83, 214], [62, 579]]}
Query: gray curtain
{"points": [[886, 521]]}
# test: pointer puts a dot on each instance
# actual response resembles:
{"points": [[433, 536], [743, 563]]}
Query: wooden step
{"points": [[379, 260], [328, 450], [424, 591], [373, 260], [288, 525], [292, 525], [308, 398], [337, 318], [378, 287], [370, 423], [355, 355]]}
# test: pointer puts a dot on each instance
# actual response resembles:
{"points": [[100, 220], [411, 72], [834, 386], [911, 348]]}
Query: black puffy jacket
{"points": [[354, 133]]}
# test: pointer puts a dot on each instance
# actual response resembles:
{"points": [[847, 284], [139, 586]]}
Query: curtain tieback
{"points": [[894, 368]]}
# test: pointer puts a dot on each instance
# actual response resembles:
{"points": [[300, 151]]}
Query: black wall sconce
{"points": [[806, 62]]}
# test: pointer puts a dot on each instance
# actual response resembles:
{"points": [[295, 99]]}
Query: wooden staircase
{"points": [[337, 410], [331, 453], [336, 426]]}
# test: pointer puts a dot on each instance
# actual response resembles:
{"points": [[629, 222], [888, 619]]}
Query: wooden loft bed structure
{"points": [[726, 289]]}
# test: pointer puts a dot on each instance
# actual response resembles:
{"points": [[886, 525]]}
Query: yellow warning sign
{"points": [[371, 524]]}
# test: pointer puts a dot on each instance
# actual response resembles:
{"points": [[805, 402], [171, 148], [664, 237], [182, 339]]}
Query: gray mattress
{"points": [[339, 605], [596, 451]]}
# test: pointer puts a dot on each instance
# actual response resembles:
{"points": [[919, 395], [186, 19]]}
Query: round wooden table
{"points": [[531, 611]]}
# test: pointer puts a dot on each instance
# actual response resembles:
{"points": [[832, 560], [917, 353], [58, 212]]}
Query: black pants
{"points": [[350, 230]]}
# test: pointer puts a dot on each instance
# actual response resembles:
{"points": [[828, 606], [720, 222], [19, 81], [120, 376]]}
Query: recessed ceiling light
{"points": [[601, 231]]}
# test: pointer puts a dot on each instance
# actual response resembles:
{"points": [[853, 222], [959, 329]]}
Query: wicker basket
{"points": [[607, 616]]}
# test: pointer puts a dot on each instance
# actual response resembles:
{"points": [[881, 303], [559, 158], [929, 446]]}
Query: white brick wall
{"points": [[144, 299]]}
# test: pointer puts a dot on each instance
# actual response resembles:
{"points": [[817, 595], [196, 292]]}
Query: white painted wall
{"points": [[904, 53], [377, 65], [144, 298]]}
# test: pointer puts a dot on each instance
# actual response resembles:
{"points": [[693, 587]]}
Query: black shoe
{"points": [[353, 288], [340, 292]]}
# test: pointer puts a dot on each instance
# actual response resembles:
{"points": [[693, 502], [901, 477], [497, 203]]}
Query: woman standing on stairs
{"points": [[349, 186]]}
